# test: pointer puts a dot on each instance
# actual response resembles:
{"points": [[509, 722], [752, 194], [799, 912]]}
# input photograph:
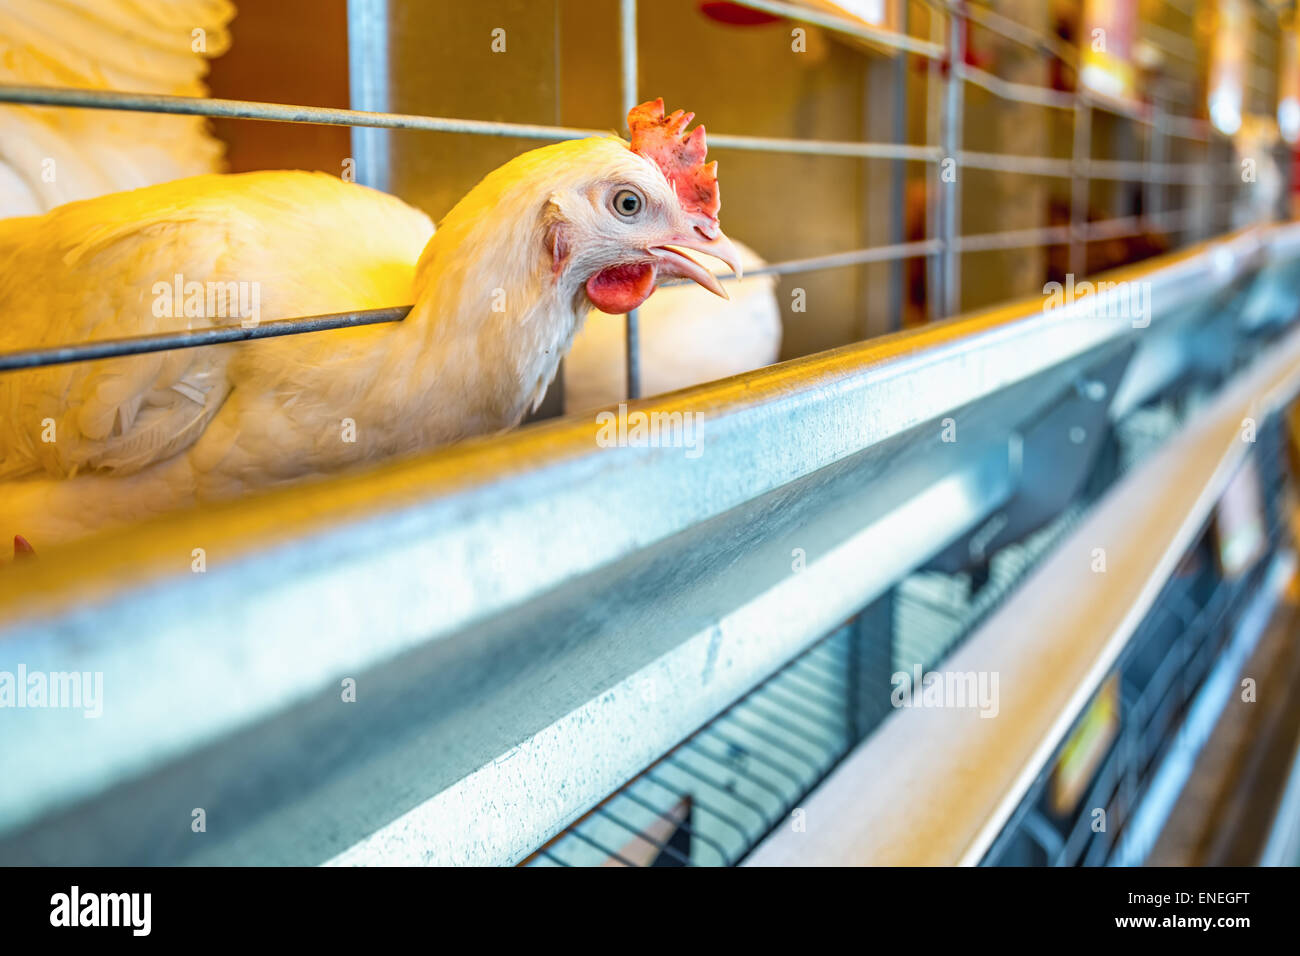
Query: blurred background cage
{"points": [[896, 163]]}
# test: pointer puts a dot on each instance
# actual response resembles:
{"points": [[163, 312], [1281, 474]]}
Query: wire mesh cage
{"points": [[1154, 186], [731, 783], [1155, 684], [1100, 171]]}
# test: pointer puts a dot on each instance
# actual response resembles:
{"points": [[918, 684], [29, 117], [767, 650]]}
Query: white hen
{"points": [[498, 294]]}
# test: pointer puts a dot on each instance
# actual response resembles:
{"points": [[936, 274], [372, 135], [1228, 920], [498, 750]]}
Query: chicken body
{"points": [[92, 270], [498, 292]]}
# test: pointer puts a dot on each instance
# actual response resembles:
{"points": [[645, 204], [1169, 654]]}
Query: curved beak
{"points": [[673, 261]]}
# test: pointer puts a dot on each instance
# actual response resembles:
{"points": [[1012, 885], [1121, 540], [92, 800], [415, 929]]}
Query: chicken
{"points": [[498, 292], [685, 339], [52, 155]]}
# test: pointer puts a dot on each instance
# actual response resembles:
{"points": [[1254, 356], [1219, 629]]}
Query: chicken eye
{"points": [[627, 203]]}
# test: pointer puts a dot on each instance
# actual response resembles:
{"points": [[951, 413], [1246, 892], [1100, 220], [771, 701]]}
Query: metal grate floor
{"points": [[714, 797]]}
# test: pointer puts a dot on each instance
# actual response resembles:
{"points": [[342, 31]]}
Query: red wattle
{"points": [[620, 289]]}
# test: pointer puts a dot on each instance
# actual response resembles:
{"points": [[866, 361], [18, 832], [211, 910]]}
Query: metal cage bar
{"points": [[978, 242], [628, 45], [948, 244]]}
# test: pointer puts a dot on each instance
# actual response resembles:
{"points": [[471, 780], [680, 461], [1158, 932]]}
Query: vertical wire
{"points": [[950, 218], [898, 183], [1155, 203], [863, 274], [1198, 195], [1079, 182], [368, 89], [628, 38], [556, 75], [934, 194], [557, 384], [1203, 221]]}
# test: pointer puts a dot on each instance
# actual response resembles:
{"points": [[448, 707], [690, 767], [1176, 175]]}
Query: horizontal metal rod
{"points": [[1052, 46], [1058, 235], [1135, 225], [1182, 127], [856, 257], [1119, 170], [822, 147], [836, 260], [996, 23], [276, 112], [1014, 239], [861, 30], [1173, 124], [329, 116], [1008, 163], [1135, 171], [1017, 92], [141, 344], [1137, 112], [1178, 220]]}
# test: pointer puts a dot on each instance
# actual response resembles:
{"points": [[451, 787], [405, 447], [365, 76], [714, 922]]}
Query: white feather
{"points": [[53, 155]]}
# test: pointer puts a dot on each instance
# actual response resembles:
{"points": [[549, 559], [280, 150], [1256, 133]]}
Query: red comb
{"points": [[22, 549], [680, 155]]}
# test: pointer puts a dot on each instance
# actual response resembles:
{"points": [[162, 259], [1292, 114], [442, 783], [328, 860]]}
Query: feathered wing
{"points": [[115, 415], [52, 155], [107, 268]]}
